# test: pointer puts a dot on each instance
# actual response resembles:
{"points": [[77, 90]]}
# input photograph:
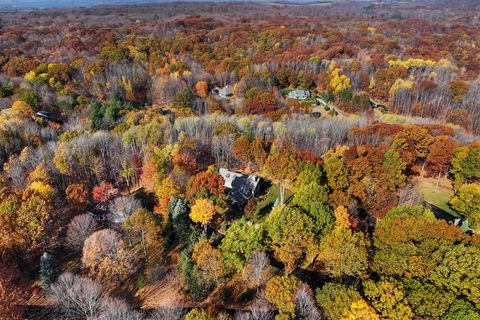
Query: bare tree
{"points": [[305, 307], [76, 296], [257, 271], [168, 313], [409, 195], [260, 309], [79, 229], [116, 309], [123, 207]]}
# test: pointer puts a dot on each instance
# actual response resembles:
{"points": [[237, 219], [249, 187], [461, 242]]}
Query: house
{"points": [[240, 187], [223, 92], [47, 115], [299, 94]]}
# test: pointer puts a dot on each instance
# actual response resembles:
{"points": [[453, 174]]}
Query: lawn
{"points": [[438, 196], [266, 204]]}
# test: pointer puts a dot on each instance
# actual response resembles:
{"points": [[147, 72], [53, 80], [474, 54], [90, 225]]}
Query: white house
{"points": [[299, 94], [223, 92]]}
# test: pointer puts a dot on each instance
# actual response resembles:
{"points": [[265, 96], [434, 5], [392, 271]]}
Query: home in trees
{"points": [[240, 187], [299, 94], [224, 92]]}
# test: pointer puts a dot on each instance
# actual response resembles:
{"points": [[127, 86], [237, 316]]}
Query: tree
{"points": [[280, 291], [144, 230], [465, 164], [104, 192], [427, 300], [456, 269], [415, 141], [388, 298], [343, 252], [202, 211], [48, 270], [209, 262], [106, 256], [79, 229], [116, 309], [206, 184], [77, 296], [202, 89], [198, 314], [77, 194], [241, 239], [121, 208], [360, 310], [335, 299], [406, 239], [178, 212], [462, 310], [292, 236], [257, 270], [305, 307], [184, 99], [466, 201], [440, 153], [337, 174]]}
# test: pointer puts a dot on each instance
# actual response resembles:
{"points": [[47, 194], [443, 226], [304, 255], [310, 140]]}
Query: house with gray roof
{"points": [[299, 94], [240, 187]]}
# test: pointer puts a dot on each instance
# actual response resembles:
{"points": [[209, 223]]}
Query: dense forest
{"points": [[241, 161]]}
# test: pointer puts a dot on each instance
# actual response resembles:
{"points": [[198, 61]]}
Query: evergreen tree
{"points": [[48, 270]]}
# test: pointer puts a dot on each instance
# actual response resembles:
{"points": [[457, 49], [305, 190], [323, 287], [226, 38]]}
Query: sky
{"points": [[62, 3]]}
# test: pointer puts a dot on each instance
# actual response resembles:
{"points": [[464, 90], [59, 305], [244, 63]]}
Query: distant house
{"points": [[47, 115], [224, 92], [240, 187], [299, 94]]}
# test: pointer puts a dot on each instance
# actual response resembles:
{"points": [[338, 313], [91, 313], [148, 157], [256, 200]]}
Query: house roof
{"points": [[242, 187]]}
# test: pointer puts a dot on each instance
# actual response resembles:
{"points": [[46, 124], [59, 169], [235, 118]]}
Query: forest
{"points": [[241, 161]]}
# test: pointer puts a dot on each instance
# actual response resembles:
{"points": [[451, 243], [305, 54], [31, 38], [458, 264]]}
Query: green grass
{"points": [[437, 196], [265, 206]]}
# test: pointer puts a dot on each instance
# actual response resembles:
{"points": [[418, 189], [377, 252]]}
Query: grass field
{"points": [[436, 195]]}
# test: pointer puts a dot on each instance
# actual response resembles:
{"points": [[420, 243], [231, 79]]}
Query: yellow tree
{"points": [[360, 310], [202, 211]]}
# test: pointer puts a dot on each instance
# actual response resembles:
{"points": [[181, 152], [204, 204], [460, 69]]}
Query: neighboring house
{"points": [[299, 94], [47, 115], [241, 187], [223, 92]]}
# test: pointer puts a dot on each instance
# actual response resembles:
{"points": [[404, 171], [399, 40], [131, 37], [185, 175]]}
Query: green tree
{"points": [[335, 299], [184, 99], [456, 269], [242, 238], [292, 236], [427, 300], [49, 270], [462, 310], [466, 201]]}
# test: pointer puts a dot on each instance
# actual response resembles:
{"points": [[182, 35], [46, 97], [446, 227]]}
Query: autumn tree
{"points": [[210, 264], [388, 298], [104, 192], [206, 184], [465, 164], [77, 194], [79, 229], [280, 291], [202, 211], [360, 310], [106, 256], [440, 153], [144, 232], [466, 201], [343, 252], [292, 236], [335, 299], [202, 89]]}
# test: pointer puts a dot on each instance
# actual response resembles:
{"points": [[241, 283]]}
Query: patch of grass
{"points": [[393, 118], [438, 196], [265, 205]]}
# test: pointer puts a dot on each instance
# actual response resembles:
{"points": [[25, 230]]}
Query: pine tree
{"points": [[48, 270]]}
